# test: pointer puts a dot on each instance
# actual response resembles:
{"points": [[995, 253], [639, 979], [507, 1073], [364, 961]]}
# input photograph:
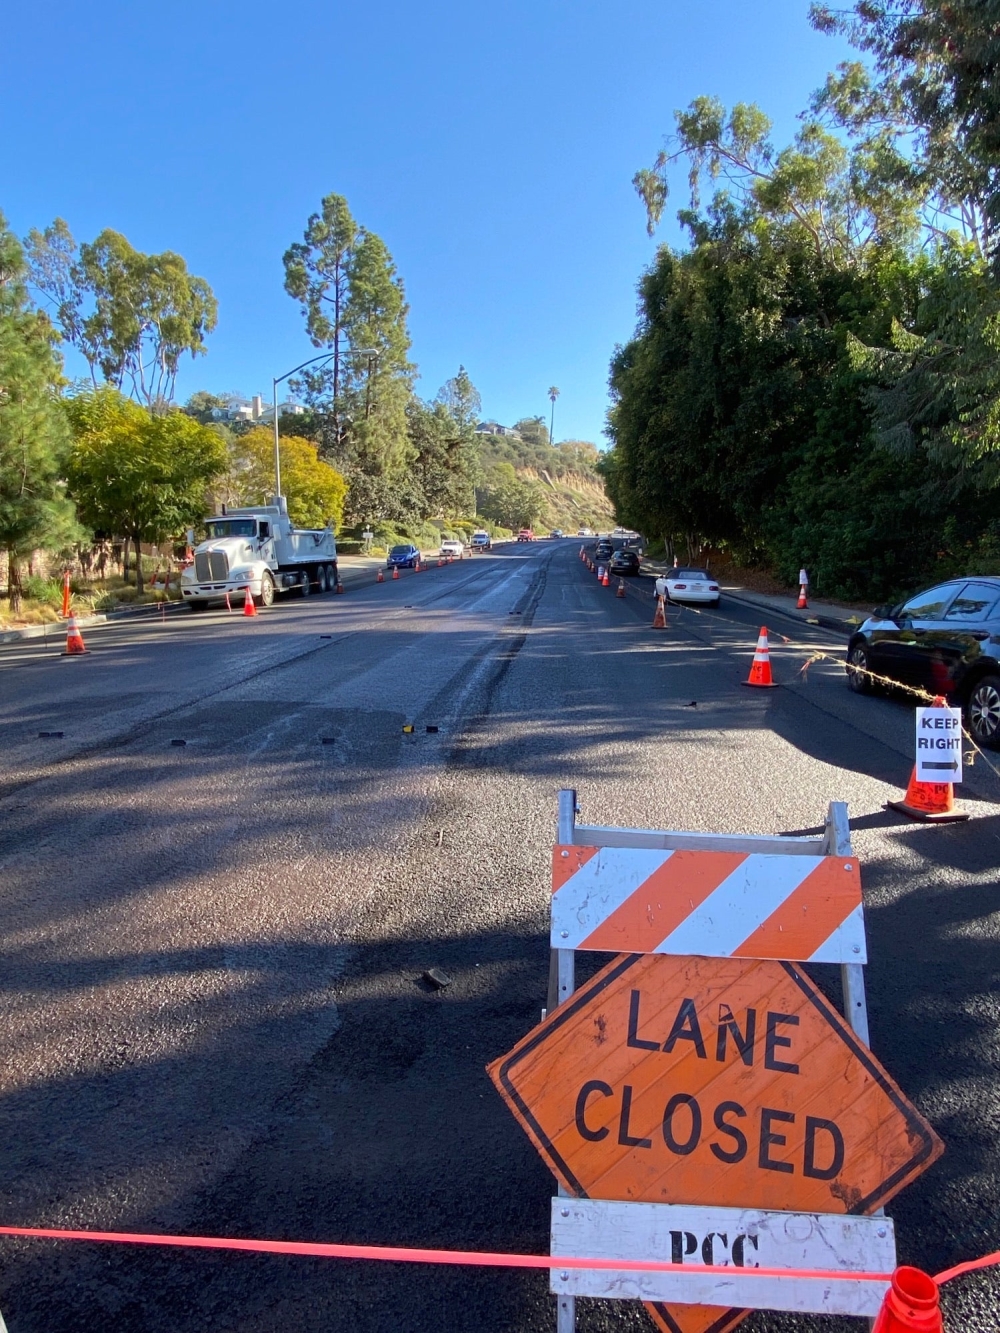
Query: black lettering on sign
{"points": [[682, 1243], [640, 1043], [626, 1139], [739, 1256], [688, 1145], [686, 1028], [767, 1138], [814, 1125], [583, 1129], [774, 1038], [707, 1256], [743, 1041], [739, 1151]]}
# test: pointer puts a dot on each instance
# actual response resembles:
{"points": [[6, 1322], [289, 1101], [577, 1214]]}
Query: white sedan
{"points": [[688, 585], [450, 546]]}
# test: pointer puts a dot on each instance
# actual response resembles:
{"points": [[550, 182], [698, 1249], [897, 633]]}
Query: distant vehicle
{"points": [[945, 640], [605, 549], [585, 532], [261, 549], [451, 546], [688, 585], [625, 561], [480, 541], [402, 557], [526, 535], [557, 532]]}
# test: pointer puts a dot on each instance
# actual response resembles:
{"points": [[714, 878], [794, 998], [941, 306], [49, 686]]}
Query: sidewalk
{"points": [[830, 615]]}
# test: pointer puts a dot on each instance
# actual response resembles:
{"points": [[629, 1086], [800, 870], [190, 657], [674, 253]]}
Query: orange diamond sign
{"points": [[712, 1081]]}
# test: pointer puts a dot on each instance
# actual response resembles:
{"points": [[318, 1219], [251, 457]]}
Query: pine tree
{"points": [[34, 436]]}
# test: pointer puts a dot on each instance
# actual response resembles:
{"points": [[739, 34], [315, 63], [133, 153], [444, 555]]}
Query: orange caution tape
{"points": [[473, 1258]]}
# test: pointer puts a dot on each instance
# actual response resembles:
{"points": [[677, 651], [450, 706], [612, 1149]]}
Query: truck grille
{"points": [[211, 566]]}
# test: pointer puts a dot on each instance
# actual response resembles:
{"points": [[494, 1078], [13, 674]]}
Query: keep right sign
{"points": [[939, 744]]}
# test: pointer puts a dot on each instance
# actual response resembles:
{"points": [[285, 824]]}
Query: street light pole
{"points": [[276, 380]]}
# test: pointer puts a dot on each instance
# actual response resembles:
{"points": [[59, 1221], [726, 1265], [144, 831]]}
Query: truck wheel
{"points": [[331, 577], [266, 597], [321, 583], [306, 584]]}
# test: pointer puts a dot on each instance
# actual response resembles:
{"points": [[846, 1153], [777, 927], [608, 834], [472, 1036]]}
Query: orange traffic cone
{"points": [[75, 646], [912, 1304], [803, 603], [248, 607], [440, 563], [417, 567], [660, 619], [380, 577], [760, 672], [621, 588], [66, 595], [605, 581], [395, 571], [930, 802], [339, 587]]}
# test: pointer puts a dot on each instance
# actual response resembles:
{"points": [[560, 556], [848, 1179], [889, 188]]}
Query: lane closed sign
{"points": [[939, 744]]}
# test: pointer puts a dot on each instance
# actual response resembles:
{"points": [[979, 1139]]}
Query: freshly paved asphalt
{"points": [[214, 1019]]}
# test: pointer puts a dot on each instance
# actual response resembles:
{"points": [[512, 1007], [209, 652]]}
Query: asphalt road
{"points": [[214, 1016]]}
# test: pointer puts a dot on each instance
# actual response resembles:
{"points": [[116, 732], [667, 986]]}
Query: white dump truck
{"points": [[260, 549]]}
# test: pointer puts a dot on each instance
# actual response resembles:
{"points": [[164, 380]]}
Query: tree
{"points": [[507, 499], [204, 406], [131, 315], [314, 490], [461, 397], [445, 459], [138, 475], [34, 510], [532, 430], [317, 275], [553, 395]]}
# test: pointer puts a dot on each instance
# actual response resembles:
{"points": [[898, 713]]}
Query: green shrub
{"points": [[47, 591]]}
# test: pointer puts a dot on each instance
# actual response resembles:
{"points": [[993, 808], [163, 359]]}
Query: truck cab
{"points": [[260, 549]]}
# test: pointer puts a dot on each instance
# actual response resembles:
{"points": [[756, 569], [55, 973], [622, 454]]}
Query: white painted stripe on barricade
{"points": [[734, 1238]]}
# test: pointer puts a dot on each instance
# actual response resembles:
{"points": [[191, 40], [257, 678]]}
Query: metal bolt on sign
{"points": [[702, 1065]]}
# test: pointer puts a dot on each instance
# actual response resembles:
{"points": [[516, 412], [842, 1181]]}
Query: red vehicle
{"points": [[526, 535]]}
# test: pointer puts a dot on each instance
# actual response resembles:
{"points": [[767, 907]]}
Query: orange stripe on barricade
{"points": [[663, 901], [808, 916], [566, 861]]}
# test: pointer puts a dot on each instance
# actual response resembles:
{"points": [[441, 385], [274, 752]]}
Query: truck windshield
{"points": [[231, 527]]}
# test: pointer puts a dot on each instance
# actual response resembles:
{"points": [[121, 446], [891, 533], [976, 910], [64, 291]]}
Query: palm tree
{"points": [[553, 395]]}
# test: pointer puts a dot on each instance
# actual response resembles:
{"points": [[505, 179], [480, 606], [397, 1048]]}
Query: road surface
{"points": [[215, 1019]]}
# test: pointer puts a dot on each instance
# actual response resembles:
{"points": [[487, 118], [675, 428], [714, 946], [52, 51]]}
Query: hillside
{"points": [[573, 501], [565, 476]]}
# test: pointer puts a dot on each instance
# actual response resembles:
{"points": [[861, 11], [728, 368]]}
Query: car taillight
{"points": [[713, 587], [680, 587]]}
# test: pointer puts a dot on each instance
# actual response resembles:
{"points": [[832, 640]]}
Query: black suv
{"points": [[945, 640], [604, 550]]}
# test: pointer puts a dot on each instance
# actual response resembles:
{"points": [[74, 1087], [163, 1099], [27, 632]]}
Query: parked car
{"points": [[452, 546], [585, 532], [945, 640], [557, 532], [604, 549], [402, 557], [526, 535], [480, 541], [688, 585], [625, 561]]}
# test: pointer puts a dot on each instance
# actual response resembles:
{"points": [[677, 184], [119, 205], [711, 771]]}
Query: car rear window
{"points": [[687, 574], [974, 602]]}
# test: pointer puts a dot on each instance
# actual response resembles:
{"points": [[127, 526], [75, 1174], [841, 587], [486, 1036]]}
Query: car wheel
{"points": [[982, 712], [266, 597], [858, 667]]}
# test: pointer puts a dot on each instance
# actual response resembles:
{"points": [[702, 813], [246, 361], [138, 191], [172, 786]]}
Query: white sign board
{"points": [[939, 745], [731, 1239]]}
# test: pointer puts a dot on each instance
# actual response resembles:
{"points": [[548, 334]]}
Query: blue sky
{"points": [[492, 146]]}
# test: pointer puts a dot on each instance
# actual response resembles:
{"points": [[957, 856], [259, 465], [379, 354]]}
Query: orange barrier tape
{"points": [[971, 1266], [407, 1255], [473, 1258]]}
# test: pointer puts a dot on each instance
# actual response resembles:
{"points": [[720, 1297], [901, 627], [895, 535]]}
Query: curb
{"points": [[825, 622]]}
